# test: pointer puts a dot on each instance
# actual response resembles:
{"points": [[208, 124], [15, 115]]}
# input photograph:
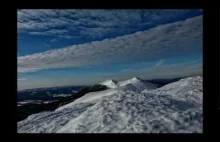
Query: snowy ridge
{"points": [[110, 83], [173, 108], [134, 81], [134, 84], [92, 97], [189, 88]]}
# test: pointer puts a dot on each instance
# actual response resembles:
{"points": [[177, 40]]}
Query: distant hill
{"points": [[47, 93], [23, 111]]}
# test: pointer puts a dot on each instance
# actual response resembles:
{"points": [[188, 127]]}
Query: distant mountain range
{"points": [[47, 93]]}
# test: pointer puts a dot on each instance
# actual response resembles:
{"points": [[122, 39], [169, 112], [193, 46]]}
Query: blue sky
{"points": [[83, 47]]}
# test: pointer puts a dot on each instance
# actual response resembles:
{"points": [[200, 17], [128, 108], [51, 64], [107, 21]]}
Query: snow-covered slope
{"points": [[131, 112], [92, 97], [176, 107], [134, 84], [50, 122], [190, 88]]}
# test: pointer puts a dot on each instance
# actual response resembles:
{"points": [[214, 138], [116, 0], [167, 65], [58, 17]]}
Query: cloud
{"points": [[22, 79], [126, 70], [174, 39], [159, 63], [134, 67], [174, 71], [94, 23], [50, 32], [165, 71]]}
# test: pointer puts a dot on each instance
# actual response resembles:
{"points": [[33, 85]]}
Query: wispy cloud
{"points": [[179, 38], [126, 70], [150, 65], [50, 32], [164, 71], [173, 71], [22, 79], [159, 63], [93, 23]]}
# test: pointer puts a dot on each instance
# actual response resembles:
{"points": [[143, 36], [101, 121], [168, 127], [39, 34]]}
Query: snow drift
{"points": [[131, 106]]}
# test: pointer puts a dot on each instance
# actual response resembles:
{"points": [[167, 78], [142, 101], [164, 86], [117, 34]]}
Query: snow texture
{"points": [[173, 108], [110, 83]]}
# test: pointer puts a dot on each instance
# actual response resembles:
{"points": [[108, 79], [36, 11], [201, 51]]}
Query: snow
{"points": [[30, 101], [61, 95], [131, 112], [50, 122], [110, 83], [74, 91], [136, 85], [90, 97], [133, 84], [23, 102], [47, 102], [132, 107], [33, 102], [134, 81], [189, 88]]}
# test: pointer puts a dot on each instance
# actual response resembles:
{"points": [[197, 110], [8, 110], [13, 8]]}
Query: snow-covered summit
{"points": [[136, 84], [133, 82], [129, 81], [110, 83], [136, 78]]}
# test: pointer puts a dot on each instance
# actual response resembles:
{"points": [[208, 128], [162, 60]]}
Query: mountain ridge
{"points": [[127, 111]]}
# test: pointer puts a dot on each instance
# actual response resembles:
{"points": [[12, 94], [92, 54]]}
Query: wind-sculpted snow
{"points": [[190, 88], [173, 108], [145, 112], [50, 122], [110, 83], [92, 97]]}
